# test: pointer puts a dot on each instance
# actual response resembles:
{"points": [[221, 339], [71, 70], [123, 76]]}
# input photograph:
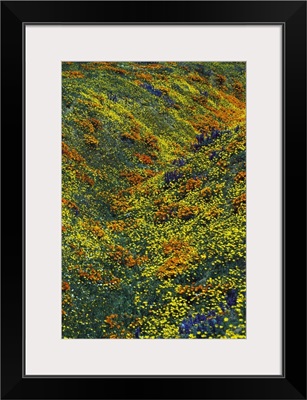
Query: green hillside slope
{"points": [[153, 200]]}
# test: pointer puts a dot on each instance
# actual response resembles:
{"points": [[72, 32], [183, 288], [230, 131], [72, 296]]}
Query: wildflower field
{"points": [[153, 200]]}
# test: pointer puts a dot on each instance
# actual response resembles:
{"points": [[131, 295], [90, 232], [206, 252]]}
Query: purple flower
{"points": [[231, 297]]}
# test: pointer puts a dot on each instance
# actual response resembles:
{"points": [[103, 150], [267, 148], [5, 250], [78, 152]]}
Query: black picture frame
{"points": [[292, 383]]}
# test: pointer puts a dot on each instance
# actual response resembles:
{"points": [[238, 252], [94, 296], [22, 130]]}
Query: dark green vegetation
{"points": [[153, 200]]}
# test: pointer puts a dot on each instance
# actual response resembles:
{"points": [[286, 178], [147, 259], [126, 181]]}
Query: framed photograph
{"points": [[162, 149]]}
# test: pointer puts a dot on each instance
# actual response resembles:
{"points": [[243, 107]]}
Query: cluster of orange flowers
{"points": [[111, 320], [134, 178], [122, 256], [118, 204], [152, 141], [239, 203], [153, 66], [220, 79], [133, 136], [180, 253], [92, 104], [202, 122], [165, 212], [187, 212], [71, 154], [240, 177], [94, 227], [143, 158], [200, 100], [73, 74], [70, 204], [174, 246], [206, 192], [144, 76], [93, 275], [190, 292], [97, 231], [113, 283], [96, 123], [194, 77], [65, 286], [172, 267], [91, 140], [191, 184], [85, 178], [116, 226], [215, 212], [239, 90], [86, 125]]}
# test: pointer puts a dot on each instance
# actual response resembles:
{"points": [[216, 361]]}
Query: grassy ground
{"points": [[153, 200]]}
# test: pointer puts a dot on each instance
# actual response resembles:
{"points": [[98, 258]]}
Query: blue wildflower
{"points": [[172, 176], [152, 90], [180, 162], [137, 332], [231, 297]]}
